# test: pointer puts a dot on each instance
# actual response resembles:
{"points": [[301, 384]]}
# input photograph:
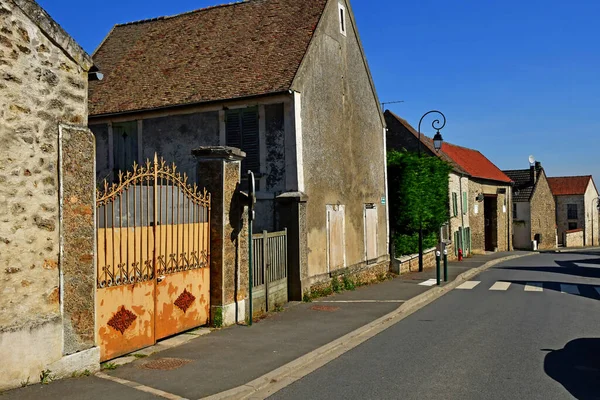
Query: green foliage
{"points": [[218, 319], [306, 297], [45, 377], [418, 193], [335, 284], [109, 366], [348, 283]]}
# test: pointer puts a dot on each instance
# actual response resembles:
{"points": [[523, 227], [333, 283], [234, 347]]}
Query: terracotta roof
{"points": [[569, 185], [475, 163], [427, 142], [231, 51]]}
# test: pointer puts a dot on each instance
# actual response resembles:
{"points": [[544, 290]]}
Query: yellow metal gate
{"points": [[153, 258]]}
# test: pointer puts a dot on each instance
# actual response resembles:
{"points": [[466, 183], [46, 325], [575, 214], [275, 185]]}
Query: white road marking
{"points": [[534, 287], [359, 301], [468, 285], [570, 289], [142, 388], [429, 282], [500, 286]]}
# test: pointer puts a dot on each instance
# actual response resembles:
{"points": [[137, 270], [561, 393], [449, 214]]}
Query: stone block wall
{"points": [[562, 220], [458, 185], [543, 214], [406, 264], [477, 215], [573, 238], [46, 195]]}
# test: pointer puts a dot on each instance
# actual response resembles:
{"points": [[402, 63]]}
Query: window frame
{"points": [[572, 208], [343, 20]]}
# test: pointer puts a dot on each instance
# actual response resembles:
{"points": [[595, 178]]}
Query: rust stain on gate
{"points": [[153, 258]]}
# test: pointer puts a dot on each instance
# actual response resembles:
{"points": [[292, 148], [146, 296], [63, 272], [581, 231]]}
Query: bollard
{"points": [[437, 267], [445, 265]]}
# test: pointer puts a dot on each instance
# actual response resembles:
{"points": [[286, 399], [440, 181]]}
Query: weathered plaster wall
{"points": [[343, 140], [591, 215], [562, 221], [477, 219], [42, 86], [522, 227], [543, 214], [456, 184], [574, 238]]}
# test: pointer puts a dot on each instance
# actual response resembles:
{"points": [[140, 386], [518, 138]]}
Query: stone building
{"points": [[401, 135], [46, 200], [533, 209], [488, 200], [576, 207], [287, 82]]}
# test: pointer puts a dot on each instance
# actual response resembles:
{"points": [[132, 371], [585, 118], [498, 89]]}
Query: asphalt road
{"points": [[536, 337]]}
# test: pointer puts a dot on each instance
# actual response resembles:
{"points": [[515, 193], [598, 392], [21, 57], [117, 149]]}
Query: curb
{"points": [[567, 250], [287, 374]]}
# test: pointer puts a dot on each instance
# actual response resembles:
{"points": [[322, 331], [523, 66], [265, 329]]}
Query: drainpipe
{"points": [[462, 214], [508, 211]]}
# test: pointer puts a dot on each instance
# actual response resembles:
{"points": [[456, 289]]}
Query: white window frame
{"points": [[343, 19]]}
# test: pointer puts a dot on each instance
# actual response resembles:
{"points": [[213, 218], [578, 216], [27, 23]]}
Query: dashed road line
{"points": [[500, 285], [468, 285], [429, 282], [534, 287], [140, 387], [570, 289]]}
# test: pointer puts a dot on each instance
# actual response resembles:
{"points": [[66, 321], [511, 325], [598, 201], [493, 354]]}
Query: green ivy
{"points": [[417, 190]]}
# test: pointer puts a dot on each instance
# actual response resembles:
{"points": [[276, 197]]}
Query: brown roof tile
{"points": [[231, 51], [569, 185]]}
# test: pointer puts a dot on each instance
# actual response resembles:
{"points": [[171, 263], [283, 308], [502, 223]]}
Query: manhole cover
{"points": [[165, 364], [325, 308]]}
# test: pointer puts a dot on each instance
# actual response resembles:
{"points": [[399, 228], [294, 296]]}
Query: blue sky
{"points": [[513, 77]]}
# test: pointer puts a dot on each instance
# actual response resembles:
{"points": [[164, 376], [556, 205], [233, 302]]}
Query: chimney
{"points": [[538, 166], [532, 174]]}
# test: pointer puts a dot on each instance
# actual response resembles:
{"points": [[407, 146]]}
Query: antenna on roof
{"points": [[531, 160], [391, 102]]}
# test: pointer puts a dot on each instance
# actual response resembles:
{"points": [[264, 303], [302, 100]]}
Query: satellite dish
{"points": [[531, 159]]}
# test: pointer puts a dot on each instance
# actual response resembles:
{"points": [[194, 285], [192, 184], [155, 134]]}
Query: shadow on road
{"points": [[585, 290], [567, 268], [576, 367]]}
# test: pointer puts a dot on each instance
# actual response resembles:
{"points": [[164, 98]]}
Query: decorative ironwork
{"points": [[151, 222], [185, 300], [122, 320]]}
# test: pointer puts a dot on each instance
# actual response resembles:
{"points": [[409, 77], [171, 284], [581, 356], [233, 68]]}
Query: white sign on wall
{"points": [[476, 209]]}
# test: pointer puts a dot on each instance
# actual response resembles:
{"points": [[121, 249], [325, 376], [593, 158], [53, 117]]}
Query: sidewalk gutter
{"points": [[287, 374]]}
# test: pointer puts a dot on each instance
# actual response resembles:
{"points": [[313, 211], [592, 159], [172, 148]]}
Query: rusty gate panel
{"points": [[153, 258]]}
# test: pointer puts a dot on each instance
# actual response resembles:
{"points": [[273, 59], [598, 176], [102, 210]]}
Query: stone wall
{"points": [[503, 234], [458, 185], [562, 220], [573, 238], [543, 214], [342, 132], [46, 195], [406, 264]]}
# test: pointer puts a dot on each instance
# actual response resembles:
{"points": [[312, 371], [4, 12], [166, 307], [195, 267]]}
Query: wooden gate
{"points": [[153, 258]]}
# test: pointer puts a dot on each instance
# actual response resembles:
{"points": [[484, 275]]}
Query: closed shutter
{"points": [[125, 142], [454, 204], [241, 131], [465, 205], [456, 243]]}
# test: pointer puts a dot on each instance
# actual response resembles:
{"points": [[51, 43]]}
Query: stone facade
{"points": [[46, 197], [343, 146], [543, 214], [562, 221], [574, 238], [458, 185], [501, 237]]}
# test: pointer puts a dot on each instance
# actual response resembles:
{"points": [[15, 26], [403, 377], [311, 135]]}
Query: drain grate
{"points": [[165, 364], [324, 308]]}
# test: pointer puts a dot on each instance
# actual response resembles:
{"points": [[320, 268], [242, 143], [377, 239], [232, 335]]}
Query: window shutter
{"points": [[250, 139], [456, 243], [465, 207], [233, 129], [454, 204]]}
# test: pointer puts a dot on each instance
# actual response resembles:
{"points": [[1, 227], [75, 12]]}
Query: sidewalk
{"points": [[231, 357]]}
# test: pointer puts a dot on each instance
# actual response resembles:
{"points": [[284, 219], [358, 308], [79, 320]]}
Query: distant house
{"points": [[533, 209], [286, 81], [576, 207], [479, 192]]}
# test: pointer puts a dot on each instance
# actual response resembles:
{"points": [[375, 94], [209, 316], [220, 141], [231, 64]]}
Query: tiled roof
{"points": [[428, 143], [523, 186], [569, 185], [475, 163], [231, 51]]}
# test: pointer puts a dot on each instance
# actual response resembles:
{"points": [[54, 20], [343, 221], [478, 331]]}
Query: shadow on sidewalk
{"points": [[566, 268], [576, 367]]}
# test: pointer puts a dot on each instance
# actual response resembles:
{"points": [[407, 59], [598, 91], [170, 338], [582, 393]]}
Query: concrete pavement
{"points": [[229, 358], [535, 336]]}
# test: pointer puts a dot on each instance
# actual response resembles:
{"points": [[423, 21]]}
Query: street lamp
{"points": [[597, 200], [437, 144]]}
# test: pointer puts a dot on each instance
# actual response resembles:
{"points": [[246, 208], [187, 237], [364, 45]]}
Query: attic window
{"points": [[342, 19]]}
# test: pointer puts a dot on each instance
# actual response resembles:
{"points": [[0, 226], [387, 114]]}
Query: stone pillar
{"points": [[218, 170], [291, 210]]}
